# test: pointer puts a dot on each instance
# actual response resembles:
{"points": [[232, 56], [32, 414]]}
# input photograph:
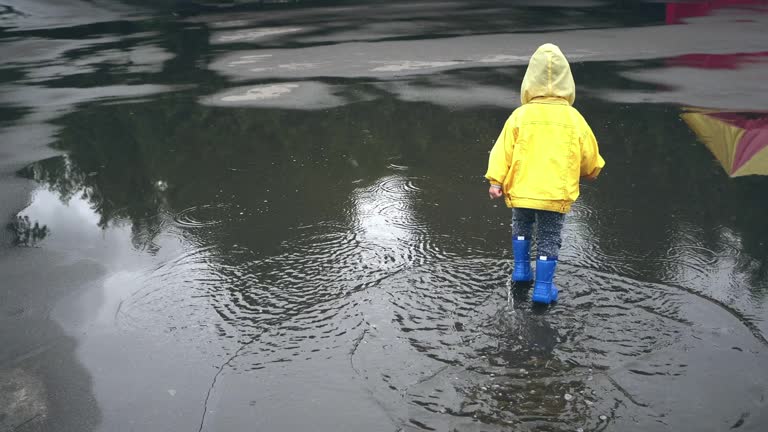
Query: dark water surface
{"points": [[273, 218]]}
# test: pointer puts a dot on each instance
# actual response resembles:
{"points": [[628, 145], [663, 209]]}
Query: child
{"points": [[536, 163]]}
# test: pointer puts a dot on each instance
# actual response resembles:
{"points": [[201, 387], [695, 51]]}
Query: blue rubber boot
{"points": [[544, 291], [521, 249]]}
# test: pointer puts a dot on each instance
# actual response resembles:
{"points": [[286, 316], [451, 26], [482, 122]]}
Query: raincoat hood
{"points": [[548, 75]]}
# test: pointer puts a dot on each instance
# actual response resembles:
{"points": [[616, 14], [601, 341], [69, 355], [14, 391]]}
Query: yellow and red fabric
{"points": [[738, 140]]}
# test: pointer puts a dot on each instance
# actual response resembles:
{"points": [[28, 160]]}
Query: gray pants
{"points": [[549, 226]]}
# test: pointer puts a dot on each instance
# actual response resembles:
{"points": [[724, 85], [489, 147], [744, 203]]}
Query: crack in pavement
{"points": [[26, 422], [352, 351], [216, 377], [624, 391]]}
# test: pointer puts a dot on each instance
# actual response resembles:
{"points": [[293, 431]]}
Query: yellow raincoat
{"points": [[546, 145]]}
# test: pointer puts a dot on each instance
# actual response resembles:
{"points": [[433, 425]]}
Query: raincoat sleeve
{"points": [[501, 155], [591, 161]]}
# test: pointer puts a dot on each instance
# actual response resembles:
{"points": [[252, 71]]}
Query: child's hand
{"points": [[495, 192]]}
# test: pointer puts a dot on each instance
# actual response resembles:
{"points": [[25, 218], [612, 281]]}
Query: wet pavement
{"points": [[273, 218]]}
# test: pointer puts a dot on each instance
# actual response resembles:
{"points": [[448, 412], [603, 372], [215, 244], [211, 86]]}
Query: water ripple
{"points": [[427, 318], [199, 216]]}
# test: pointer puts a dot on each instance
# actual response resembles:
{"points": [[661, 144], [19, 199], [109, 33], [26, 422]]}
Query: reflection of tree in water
{"points": [[69, 177], [134, 162], [117, 155], [26, 233]]}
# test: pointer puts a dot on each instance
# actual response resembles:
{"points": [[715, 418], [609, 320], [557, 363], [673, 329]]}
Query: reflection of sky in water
{"points": [[74, 225], [385, 221], [377, 210], [411, 65], [202, 285], [403, 65], [353, 59], [59, 101], [579, 236], [40, 61], [74, 228], [137, 59], [389, 20], [122, 308], [252, 34], [723, 271], [37, 14], [453, 93], [289, 95], [742, 88], [316, 95]]}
